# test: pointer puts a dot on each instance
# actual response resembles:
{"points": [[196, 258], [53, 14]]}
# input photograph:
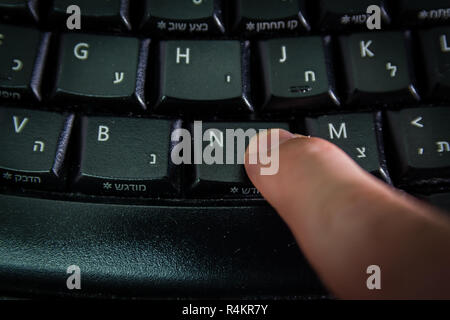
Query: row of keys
{"points": [[151, 157], [247, 17], [213, 75]]}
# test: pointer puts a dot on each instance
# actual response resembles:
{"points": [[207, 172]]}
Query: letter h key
{"points": [[203, 76]]}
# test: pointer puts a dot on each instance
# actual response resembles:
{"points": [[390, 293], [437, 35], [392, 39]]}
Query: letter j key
{"points": [[297, 74]]}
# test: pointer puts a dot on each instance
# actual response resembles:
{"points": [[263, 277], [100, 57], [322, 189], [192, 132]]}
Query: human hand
{"points": [[345, 220]]}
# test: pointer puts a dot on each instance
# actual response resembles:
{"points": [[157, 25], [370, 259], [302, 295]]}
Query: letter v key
{"points": [[19, 127]]}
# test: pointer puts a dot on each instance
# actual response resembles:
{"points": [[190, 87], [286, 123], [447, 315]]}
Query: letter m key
{"points": [[337, 133]]}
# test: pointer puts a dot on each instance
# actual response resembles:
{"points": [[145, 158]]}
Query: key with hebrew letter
{"points": [[22, 58], [25, 11], [351, 14], [101, 15], [205, 76], [435, 44], [353, 133], [185, 17], [420, 12], [101, 70], [297, 74], [377, 66], [125, 157], [33, 148], [419, 140], [256, 17], [218, 168]]}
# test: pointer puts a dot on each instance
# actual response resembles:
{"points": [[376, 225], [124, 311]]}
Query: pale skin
{"points": [[345, 220]]}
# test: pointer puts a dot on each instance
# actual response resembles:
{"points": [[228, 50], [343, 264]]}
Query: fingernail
{"points": [[283, 137], [301, 136]]}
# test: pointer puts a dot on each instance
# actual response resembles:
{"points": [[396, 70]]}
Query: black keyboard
{"points": [[87, 120]]}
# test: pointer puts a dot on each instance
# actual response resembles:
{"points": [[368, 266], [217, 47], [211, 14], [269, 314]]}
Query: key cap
{"points": [[296, 74], [440, 200], [419, 12], [101, 70], [195, 17], [377, 69], [101, 15], [355, 134], [33, 148], [25, 11], [125, 157], [218, 169], [420, 140], [436, 57], [22, 57], [203, 75], [349, 14], [255, 17]]}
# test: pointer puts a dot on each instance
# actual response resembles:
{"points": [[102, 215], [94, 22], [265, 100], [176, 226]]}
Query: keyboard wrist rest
{"points": [[149, 251]]}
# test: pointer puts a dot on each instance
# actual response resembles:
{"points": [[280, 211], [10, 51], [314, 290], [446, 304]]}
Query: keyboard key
{"points": [[103, 70], [225, 176], [420, 140], [125, 157], [441, 200], [377, 68], [254, 17], [101, 15], [355, 134], [22, 57], [194, 17], [203, 75], [25, 11], [420, 12], [296, 74], [436, 56], [349, 14], [33, 148]]}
